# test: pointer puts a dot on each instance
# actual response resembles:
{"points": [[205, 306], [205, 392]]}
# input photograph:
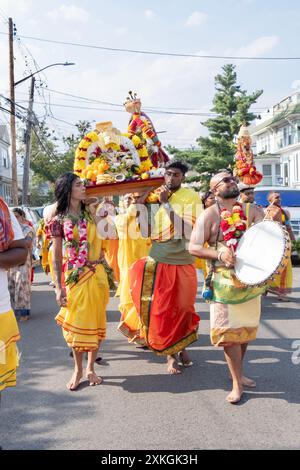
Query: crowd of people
{"points": [[154, 251]]}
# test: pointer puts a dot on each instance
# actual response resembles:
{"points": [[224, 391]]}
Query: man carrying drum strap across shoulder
{"points": [[235, 308]]}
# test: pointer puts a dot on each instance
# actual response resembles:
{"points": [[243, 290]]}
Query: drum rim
{"points": [[287, 249]]}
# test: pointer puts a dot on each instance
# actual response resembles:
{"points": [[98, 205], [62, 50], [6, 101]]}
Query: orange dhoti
{"points": [[164, 296]]}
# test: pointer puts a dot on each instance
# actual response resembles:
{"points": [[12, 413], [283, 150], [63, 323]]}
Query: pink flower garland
{"points": [[233, 224], [77, 252]]}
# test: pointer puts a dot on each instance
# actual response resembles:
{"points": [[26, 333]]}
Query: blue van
{"points": [[290, 200]]}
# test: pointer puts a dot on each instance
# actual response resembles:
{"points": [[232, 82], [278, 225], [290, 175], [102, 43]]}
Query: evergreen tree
{"points": [[231, 104]]}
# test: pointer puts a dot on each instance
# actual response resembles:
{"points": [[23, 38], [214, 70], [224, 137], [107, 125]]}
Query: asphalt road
{"points": [[139, 406]]}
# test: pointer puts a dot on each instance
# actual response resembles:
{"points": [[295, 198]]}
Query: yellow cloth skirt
{"points": [[83, 321], [9, 357], [234, 323]]}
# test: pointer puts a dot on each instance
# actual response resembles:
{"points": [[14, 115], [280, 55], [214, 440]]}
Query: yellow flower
{"points": [[136, 140], [143, 152]]}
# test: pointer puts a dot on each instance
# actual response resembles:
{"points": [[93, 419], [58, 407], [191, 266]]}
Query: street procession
{"points": [[149, 277]]}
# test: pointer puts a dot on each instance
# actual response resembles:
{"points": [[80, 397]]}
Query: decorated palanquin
{"points": [[111, 162], [244, 162]]}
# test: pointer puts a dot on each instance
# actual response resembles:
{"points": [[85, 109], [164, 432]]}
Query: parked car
{"points": [[38, 211], [290, 200]]}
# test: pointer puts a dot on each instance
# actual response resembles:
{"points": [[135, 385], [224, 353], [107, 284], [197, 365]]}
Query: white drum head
{"points": [[259, 252]]}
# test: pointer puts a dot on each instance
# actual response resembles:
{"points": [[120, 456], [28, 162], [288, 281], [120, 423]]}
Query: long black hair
{"points": [[63, 190], [20, 211]]}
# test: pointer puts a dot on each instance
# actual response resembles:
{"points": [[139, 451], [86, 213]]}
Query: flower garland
{"points": [[77, 250], [233, 224], [81, 152]]}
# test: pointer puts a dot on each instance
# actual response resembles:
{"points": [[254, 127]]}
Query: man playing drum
{"points": [[235, 309]]}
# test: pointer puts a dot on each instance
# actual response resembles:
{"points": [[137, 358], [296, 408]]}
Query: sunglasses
{"points": [[226, 180]]}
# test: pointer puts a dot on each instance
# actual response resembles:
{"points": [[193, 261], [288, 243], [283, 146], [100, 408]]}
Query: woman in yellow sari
{"points": [[81, 287]]}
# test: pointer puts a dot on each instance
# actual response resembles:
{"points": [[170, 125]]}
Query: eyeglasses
{"points": [[226, 180]]}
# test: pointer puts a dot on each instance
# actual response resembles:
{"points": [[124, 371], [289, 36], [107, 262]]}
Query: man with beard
{"points": [[234, 309], [164, 284]]}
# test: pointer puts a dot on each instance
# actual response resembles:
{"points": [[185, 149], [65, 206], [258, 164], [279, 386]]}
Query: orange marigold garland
{"points": [[244, 165]]}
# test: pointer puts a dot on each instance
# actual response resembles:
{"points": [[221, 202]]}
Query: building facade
{"points": [[276, 144], [5, 166]]}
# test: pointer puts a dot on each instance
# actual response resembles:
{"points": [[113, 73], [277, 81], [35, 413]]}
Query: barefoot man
{"points": [[164, 284], [234, 310]]}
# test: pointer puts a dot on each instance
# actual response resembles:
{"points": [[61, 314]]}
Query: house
{"points": [[276, 143], [5, 166]]}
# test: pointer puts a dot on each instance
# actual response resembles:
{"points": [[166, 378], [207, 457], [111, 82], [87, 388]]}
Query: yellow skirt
{"points": [[83, 321], [9, 357], [234, 323]]}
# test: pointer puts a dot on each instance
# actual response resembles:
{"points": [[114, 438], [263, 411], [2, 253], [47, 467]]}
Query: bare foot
{"points": [[247, 382], [235, 395], [75, 380], [93, 378], [173, 367], [185, 359]]}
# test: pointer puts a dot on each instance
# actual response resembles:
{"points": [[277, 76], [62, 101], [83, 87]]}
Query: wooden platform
{"points": [[124, 187]]}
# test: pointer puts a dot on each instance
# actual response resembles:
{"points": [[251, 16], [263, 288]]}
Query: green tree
{"points": [[231, 104], [47, 162]]}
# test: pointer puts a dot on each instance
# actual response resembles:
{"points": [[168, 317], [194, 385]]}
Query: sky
{"points": [[256, 28]]}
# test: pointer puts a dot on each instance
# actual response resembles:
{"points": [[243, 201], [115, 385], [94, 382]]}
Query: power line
{"points": [[150, 108], [159, 53], [122, 111]]}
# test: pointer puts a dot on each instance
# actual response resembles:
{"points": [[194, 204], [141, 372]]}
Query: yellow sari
{"points": [[83, 321], [9, 360]]}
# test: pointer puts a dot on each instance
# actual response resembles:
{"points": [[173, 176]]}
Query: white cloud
{"points": [[259, 47], [70, 13], [149, 14], [196, 18], [121, 31], [295, 85], [22, 6]]}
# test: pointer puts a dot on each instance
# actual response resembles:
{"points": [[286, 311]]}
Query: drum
{"points": [[262, 252]]}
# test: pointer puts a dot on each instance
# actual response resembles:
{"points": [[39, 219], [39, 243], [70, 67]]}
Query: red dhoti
{"points": [[164, 296]]}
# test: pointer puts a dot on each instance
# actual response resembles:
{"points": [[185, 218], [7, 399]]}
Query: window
{"points": [[7, 194], [296, 166], [267, 173], [5, 158]]}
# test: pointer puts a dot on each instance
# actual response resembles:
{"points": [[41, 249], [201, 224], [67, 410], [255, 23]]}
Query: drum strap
{"points": [[247, 213]]}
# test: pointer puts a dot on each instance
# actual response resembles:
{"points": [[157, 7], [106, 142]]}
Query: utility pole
{"points": [[12, 114], [28, 145]]}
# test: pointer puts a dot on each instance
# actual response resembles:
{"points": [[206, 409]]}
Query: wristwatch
{"points": [[167, 205]]}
